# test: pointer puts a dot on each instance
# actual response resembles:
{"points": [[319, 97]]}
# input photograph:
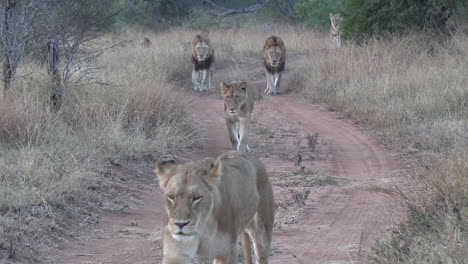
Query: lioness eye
{"points": [[196, 199], [170, 198], [237, 98]]}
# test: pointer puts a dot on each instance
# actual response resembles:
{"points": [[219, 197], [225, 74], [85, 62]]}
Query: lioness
{"points": [[238, 107], [202, 59], [209, 203], [335, 32], [274, 55]]}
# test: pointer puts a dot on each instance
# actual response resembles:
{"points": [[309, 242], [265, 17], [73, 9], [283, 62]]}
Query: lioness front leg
{"points": [[233, 133], [260, 241], [229, 258], [196, 84], [244, 128]]}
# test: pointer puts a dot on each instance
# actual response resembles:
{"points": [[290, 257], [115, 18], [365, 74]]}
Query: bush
{"points": [[368, 18], [316, 12], [202, 20]]}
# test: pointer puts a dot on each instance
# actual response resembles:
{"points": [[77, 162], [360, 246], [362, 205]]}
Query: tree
{"points": [[365, 18], [18, 18]]}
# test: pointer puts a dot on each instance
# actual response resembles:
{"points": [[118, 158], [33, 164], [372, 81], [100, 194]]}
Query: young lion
{"points": [[274, 55], [202, 59], [238, 107], [209, 203], [335, 33]]}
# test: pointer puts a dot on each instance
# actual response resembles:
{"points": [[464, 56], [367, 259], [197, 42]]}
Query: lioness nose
{"points": [[181, 224]]}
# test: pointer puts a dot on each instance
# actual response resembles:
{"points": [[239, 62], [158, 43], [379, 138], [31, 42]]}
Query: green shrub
{"points": [[316, 12], [367, 18]]}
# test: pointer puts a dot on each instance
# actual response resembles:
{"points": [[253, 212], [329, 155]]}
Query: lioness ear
{"points": [[215, 172], [243, 86], [163, 168], [224, 87], [331, 15]]}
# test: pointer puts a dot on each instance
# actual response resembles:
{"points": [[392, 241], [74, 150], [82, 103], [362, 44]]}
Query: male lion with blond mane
{"points": [[210, 203], [202, 59], [274, 55], [238, 107]]}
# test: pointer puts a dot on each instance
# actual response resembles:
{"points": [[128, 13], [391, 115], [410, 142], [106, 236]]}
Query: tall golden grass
{"points": [[412, 92]]}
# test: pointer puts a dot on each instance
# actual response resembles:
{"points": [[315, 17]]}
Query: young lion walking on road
{"points": [[238, 107], [209, 203]]}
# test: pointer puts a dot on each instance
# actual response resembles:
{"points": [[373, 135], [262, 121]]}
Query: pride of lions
{"points": [[210, 203]]}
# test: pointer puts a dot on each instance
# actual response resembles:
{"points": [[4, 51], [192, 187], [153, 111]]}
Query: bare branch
{"points": [[228, 11]]}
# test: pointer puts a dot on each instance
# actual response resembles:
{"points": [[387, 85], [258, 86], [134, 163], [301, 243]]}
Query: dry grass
{"points": [[413, 93], [55, 168], [436, 227]]}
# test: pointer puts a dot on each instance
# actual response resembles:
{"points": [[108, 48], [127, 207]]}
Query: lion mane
{"points": [[205, 64], [271, 42]]}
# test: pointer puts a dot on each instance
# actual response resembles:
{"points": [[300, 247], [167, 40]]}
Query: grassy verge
{"points": [[414, 94]]}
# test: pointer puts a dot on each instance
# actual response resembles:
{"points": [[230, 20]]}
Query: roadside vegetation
{"points": [[57, 167], [411, 91]]}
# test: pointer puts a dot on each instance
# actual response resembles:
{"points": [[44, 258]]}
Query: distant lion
{"points": [[335, 31], [210, 203], [146, 42], [274, 55], [238, 107], [202, 59]]}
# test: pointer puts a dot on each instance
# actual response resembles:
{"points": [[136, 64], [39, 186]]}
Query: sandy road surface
{"points": [[325, 213]]}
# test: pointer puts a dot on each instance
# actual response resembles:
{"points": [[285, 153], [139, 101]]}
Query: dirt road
{"points": [[320, 164]]}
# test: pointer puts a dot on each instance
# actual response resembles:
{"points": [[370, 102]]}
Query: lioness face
{"points": [[202, 49], [274, 55], [188, 193], [234, 97], [335, 19]]}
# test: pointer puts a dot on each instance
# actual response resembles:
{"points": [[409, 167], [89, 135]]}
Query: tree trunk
{"points": [[53, 70], [8, 69], [156, 13]]}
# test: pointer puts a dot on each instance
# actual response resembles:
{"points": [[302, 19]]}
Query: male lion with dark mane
{"points": [[274, 55], [202, 59], [210, 203]]}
